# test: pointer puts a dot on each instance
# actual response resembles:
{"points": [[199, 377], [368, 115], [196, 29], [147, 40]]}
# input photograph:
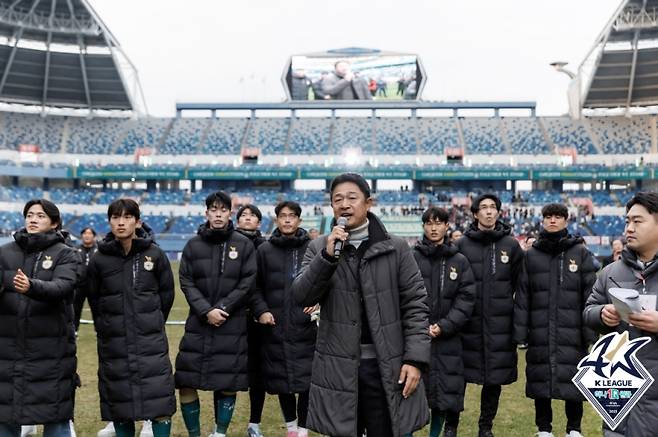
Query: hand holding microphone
{"points": [[337, 238]]}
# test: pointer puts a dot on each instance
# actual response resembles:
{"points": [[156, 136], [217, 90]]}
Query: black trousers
{"points": [[78, 302], [294, 408], [544, 415], [489, 400], [373, 415]]}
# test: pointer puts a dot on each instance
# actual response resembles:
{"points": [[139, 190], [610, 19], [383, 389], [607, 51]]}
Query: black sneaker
{"points": [[450, 432], [485, 433]]}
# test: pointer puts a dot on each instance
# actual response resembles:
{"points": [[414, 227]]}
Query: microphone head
{"points": [[342, 221]]}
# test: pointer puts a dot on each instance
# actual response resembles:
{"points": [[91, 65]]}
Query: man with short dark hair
{"points": [[450, 297], [548, 316], [637, 270], [249, 218], [489, 350], [87, 248], [217, 271], [289, 333], [373, 338], [131, 291]]}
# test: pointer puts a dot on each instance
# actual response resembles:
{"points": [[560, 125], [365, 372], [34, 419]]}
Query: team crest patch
{"points": [[453, 274], [611, 377], [47, 263], [148, 263], [504, 258], [233, 252], [573, 267]]}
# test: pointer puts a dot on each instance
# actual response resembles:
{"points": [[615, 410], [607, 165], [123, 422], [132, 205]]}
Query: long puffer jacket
{"points": [[642, 420], [394, 300], [288, 346], [37, 337], [217, 270], [548, 314], [131, 296], [254, 329], [450, 297], [497, 262]]}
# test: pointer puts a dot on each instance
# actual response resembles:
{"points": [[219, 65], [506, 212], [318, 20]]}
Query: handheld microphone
{"points": [[338, 246]]}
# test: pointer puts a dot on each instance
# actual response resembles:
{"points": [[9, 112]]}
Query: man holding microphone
{"points": [[373, 339]]}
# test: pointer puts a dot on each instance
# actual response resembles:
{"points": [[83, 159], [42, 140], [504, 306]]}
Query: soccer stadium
{"points": [[74, 129]]}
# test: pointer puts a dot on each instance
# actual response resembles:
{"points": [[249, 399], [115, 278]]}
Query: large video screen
{"points": [[371, 76]]}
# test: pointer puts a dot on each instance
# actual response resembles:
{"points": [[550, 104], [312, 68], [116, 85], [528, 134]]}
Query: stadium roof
{"points": [[59, 53], [621, 69]]}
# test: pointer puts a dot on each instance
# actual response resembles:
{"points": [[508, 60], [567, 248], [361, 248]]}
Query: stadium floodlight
{"points": [[573, 90], [559, 66]]}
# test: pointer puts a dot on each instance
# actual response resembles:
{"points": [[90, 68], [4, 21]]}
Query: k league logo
{"points": [[611, 377]]}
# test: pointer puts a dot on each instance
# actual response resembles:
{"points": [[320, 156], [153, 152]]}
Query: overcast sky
{"points": [[199, 50]]}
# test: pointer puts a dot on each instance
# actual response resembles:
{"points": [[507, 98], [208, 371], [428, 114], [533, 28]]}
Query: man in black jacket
{"points": [[249, 218], [489, 349], [87, 248], [288, 334], [131, 291], [548, 316], [373, 338], [450, 296], [38, 273], [217, 271]]}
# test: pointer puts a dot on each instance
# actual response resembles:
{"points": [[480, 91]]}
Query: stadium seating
{"points": [[618, 135], [225, 136], [607, 225], [395, 136], [184, 137], [19, 194], [310, 136], [483, 136], [525, 136], [10, 222], [352, 133], [32, 129], [76, 197], [164, 197], [270, 134], [435, 134], [567, 133], [143, 133], [94, 136]]}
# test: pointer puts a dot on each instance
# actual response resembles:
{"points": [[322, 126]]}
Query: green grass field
{"points": [[515, 416]]}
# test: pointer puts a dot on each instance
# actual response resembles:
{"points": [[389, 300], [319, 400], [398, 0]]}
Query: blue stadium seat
{"points": [[269, 134], [396, 136], [483, 136], [310, 136], [565, 132], [525, 136], [435, 134], [185, 136], [225, 136]]}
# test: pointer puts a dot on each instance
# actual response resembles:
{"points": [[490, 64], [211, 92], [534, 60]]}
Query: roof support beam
{"points": [[83, 68], [631, 82], [46, 74], [10, 61], [10, 8]]}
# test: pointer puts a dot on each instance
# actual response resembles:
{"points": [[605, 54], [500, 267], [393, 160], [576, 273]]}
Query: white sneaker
{"points": [[574, 434], [27, 430], [544, 434], [72, 428], [108, 431], [216, 434], [147, 429]]}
